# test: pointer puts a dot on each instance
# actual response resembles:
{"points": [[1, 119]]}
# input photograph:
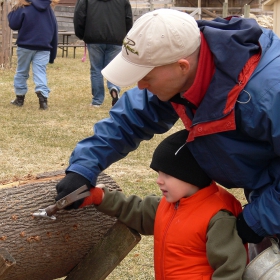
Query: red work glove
{"points": [[96, 196]]}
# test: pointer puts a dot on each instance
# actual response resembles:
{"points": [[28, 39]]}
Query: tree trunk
{"points": [[43, 248]]}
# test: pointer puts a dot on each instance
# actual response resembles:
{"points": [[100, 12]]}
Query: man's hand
{"points": [[245, 232], [71, 182]]}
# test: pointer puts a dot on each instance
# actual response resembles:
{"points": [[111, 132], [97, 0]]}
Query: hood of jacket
{"points": [[41, 5], [232, 42]]}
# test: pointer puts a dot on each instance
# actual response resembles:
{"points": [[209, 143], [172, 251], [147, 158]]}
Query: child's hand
{"points": [[96, 196]]}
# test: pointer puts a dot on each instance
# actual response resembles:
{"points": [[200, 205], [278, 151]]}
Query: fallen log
{"points": [[46, 249]]}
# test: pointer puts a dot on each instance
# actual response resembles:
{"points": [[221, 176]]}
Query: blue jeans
{"points": [[39, 60], [100, 55]]}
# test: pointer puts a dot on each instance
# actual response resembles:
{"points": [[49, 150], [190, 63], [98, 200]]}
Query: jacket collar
{"points": [[204, 74], [234, 46], [199, 195], [232, 42]]}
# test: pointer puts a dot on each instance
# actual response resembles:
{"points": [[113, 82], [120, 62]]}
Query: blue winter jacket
{"points": [[37, 27], [247, 157]]}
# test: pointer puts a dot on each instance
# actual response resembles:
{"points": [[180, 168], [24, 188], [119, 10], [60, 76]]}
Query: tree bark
{"points": [[46, 249], [6, 261]]}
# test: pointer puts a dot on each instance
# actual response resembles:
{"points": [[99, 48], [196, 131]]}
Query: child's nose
{"points": [[159, 180]]}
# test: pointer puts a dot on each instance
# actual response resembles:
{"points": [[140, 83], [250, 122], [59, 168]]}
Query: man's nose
{"points": [[142, 84]]}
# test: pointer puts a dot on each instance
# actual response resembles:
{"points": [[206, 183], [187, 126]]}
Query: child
{"points": [[193, 223], [36, 44]]}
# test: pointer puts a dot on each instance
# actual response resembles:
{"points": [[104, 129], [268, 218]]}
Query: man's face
{"points": [[166, 81]]}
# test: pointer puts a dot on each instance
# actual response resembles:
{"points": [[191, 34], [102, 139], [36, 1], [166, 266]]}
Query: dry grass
{"points": [[34, 141]]}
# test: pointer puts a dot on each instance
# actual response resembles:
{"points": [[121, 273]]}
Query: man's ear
{"points": [[184, 65]]}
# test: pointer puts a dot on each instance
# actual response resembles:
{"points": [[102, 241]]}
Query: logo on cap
{"points": [[128, 46]]}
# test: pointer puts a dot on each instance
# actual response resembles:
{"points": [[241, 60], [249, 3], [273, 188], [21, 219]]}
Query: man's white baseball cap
{"points": [[157, 38]]}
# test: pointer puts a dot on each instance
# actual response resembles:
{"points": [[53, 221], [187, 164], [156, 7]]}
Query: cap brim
{"points": [[123, 73]]}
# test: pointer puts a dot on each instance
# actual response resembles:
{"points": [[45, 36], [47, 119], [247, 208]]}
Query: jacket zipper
{"points": [[176, 206]]}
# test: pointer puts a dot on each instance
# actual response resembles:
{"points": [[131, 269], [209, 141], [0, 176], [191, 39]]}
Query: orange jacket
{"points": [[180, 233]]}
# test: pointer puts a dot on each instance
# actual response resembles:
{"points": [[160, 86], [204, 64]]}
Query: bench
{"points": [[65, 47]]}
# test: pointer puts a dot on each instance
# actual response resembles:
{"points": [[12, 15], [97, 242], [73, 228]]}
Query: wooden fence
{"points": [[5, 34], [64, 15]]}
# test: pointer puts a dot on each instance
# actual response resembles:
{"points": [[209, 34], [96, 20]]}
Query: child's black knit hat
{"points": [[173, 157]]}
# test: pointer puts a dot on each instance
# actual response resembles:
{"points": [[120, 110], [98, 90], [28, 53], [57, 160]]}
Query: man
{"points": [[222, 79], [102, 25]]}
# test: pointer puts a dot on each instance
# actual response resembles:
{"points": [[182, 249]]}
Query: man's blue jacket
{"points": [[246, 157]]}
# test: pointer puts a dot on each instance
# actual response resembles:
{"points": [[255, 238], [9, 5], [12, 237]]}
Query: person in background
{"points": [[102, 25], [36, 44], [221, 78], [193, 223]]}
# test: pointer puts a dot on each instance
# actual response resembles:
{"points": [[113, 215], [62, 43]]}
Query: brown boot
{"points": [[43, 101], [19, 100]]}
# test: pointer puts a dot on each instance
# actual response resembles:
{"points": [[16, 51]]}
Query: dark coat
{"points": [[102, 21]]}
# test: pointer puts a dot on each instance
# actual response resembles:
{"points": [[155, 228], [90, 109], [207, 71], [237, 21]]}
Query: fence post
{"points": [[225, 9], [7, 36], [199, 9], [246, 11], [151, 5]]}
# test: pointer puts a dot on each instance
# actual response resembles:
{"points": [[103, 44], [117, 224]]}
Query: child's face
{"points": [[174, 189]]}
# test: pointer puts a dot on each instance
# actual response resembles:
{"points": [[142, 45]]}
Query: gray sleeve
{"points": [[225, 251], [133, 211]]}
